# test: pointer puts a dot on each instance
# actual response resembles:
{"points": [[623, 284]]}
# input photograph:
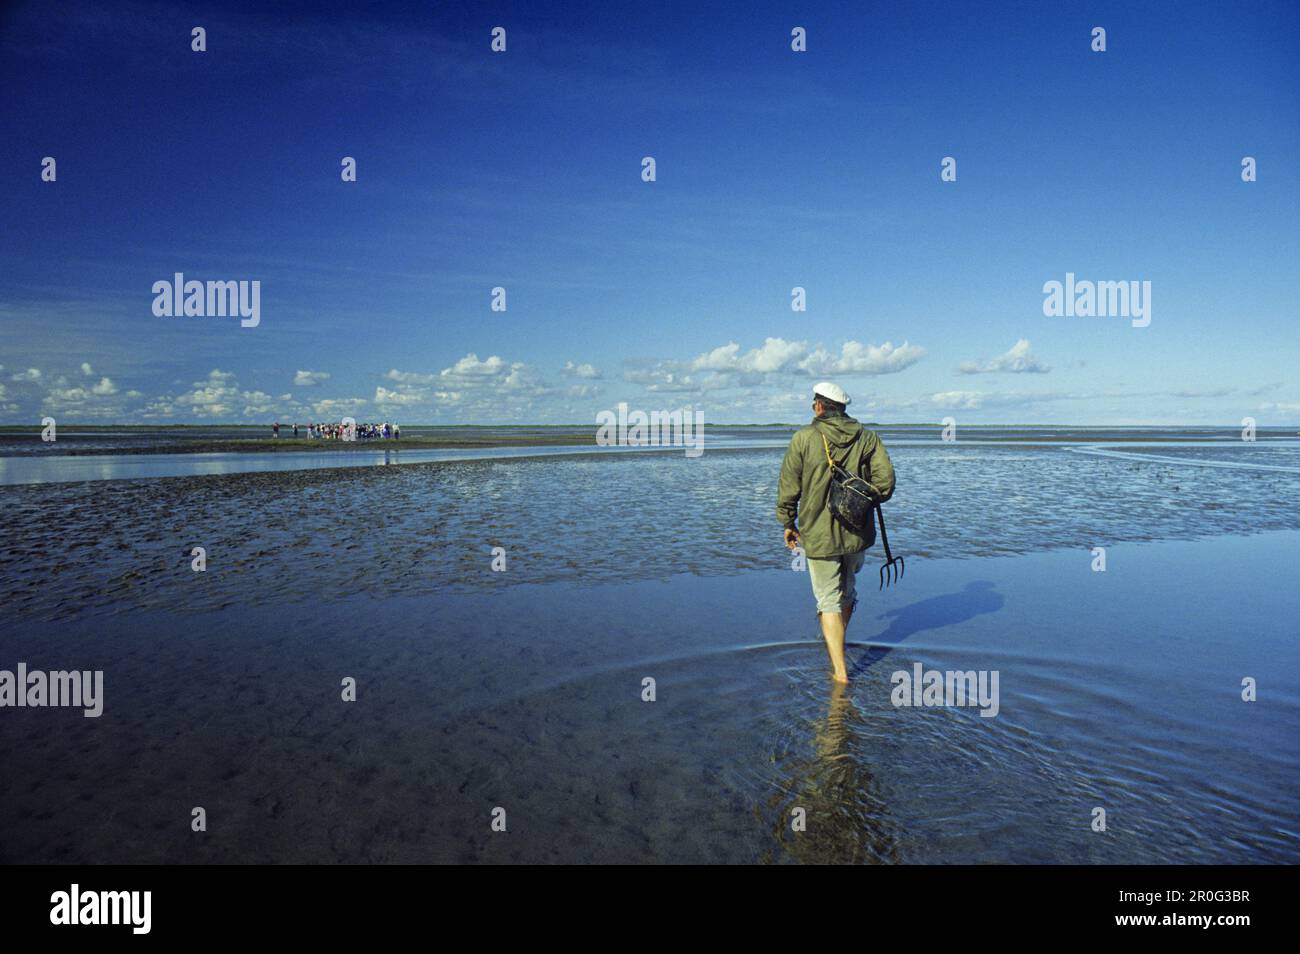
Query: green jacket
{"points": [[803, 491]]}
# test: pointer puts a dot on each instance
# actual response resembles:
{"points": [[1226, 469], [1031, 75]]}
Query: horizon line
{"points": [[940, 424]]}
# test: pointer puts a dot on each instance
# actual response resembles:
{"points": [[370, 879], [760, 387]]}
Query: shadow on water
{"points": [[828, 807], [975, 599]]}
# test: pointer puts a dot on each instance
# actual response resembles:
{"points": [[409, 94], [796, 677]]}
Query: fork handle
{"points": [[884, 535]]}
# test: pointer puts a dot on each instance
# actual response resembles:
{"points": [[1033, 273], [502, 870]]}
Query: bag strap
{"points": [[829, 460], [828, 452]]}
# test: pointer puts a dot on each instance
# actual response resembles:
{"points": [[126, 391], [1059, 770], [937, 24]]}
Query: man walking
{"points": [[834, 551]]}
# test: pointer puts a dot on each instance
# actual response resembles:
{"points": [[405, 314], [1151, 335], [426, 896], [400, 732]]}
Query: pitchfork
{"points": [[892, 571]]}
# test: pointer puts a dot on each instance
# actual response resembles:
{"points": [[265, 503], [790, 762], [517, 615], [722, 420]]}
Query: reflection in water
{"points": [[843, 804], [844, 810]]}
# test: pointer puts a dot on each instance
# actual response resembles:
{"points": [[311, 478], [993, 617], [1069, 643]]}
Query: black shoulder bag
{"points": [[851, 498]]}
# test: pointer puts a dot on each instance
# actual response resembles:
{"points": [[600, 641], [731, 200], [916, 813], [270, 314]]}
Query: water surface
{"points": [[523, 688]]}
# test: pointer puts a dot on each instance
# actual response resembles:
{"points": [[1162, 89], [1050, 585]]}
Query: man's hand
{"points": [[791, 538]]}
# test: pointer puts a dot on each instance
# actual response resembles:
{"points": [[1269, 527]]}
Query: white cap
{"points": [[832, 391]]}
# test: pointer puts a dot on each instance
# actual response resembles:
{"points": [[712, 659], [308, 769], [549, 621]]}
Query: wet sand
{"points": [[122, 546]]}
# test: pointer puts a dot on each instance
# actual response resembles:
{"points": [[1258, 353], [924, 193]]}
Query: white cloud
{"points": [[719, 359], [104, 387], [386, 398], [776, 354], [76, 398], [472, 371], [662, 380], [580, 371], [777, 362], [216, 396], [306, 379], [331, 409], [959, 400], [1018, 360], [523, 378], [86, 368], [976, 400], [31, 374], [410, 377], [470, 383], [857, 358], [492, 374]]}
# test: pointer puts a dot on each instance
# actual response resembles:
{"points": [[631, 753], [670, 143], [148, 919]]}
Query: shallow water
{"points": [[522, 689], [72, 469], [529, 698]]}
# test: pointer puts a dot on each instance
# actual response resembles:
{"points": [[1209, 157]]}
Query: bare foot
{"points": [[841, 677]]}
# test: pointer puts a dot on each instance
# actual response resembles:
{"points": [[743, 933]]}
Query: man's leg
{"points": [[828, 588], [833, 633], [850, 565]]}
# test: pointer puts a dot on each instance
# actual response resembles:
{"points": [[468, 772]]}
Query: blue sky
{"points": [[775, 169]]}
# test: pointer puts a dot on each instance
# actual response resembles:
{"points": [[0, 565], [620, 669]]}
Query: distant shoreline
{"points": [[454, 437], [301, 444], [264, 428]]}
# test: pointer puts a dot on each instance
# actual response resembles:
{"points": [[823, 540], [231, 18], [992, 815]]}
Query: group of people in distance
{"points": [[335, 432]]}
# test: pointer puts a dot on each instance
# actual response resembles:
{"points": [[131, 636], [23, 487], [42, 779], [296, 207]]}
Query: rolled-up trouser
{"points": [[833, 580]]}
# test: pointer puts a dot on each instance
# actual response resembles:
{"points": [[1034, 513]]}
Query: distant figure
{"points": [[834, 551], [275, 429], [397, 432], [295, 430]]}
